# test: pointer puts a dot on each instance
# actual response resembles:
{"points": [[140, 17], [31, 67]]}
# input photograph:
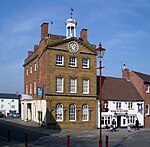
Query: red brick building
{"points": [[141, 82]]}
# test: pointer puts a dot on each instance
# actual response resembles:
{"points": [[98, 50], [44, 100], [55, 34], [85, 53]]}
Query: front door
{"points": [[118, 121]]}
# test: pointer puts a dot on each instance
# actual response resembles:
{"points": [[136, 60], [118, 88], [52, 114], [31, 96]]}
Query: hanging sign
{"points": [[40, 91]]}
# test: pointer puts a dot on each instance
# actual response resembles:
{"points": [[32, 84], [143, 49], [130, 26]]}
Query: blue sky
{"points": [[122, 26]]}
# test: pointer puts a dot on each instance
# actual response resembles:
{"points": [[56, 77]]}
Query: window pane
{"points": [[35, 67], [85, 86], [27, 89], [85, 112], [59, 60], [72, 112], [85, 63], [27, 72], [147, 109], [30, 88], [34, 87], [59, 85], [59, 112], [31, 69], [73, 85], [73, 61]]}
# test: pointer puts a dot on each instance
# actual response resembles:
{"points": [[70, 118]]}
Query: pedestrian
{"points": [[106, 127], [137, 124], [129, 128], [114, 124]]}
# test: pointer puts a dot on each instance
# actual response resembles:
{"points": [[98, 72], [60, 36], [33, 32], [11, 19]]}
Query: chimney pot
{"points": [[29, 53], [125, 73], [44, 30], [83, 34], [36, 47]]}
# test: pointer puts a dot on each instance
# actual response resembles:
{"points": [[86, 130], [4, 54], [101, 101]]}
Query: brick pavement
{"points": [[116, 137]]}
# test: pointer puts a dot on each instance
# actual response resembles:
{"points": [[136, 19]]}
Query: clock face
{"points": [[73, 46]]}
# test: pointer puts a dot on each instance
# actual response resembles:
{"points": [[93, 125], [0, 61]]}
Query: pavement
{"points": [[116, 138]]}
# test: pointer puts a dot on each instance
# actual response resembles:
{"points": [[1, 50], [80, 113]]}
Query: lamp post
{"points": [[100, 53]]}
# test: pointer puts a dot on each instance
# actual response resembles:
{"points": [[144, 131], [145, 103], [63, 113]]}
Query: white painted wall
{"points": [[131, 113], [7, 105], [31, 113]]}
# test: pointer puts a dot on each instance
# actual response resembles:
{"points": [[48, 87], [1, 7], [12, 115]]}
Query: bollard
{"points": [[106, 141], [26, 139], [68, 141], [8, 135]]}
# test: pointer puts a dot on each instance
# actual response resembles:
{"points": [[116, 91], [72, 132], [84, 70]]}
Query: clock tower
{"points": [[71, 27]]}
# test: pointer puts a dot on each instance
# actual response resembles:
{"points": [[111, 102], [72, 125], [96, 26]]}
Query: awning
{"points": [[26, 97]]}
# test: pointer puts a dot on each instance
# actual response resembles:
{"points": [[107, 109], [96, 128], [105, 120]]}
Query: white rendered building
{"points": [[32, 110], [9, 103], [121, 102]]}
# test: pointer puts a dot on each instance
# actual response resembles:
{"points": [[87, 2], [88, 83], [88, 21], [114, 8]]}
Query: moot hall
{"points": [[60, 77]]}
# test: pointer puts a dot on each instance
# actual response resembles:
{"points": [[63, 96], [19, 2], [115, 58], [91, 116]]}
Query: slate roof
{"points": [[8, 96], [118, 89], [144, 77]]}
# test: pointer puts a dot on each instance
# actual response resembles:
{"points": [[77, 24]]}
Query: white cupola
{"points": [[71, 27]]}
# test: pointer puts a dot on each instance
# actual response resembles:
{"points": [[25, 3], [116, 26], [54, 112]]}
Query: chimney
{"points": [[44, 30], [36, 47], [83, 34], [125, 73], [29, 53]]}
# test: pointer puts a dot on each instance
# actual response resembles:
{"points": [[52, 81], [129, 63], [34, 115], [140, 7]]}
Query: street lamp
{"points": [[100, 53]]}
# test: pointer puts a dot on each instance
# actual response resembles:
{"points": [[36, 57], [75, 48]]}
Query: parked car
{"points": [[1, 114], [16, 115]]}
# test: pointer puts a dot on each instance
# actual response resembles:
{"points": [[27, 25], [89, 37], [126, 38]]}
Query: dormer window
{"points": [[147, 88]]}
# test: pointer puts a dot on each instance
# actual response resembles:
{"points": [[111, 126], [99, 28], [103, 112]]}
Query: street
{"points": [[41, 137]]}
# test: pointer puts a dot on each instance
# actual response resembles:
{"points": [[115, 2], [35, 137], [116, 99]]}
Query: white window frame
{"points": [[26, 88], [59, 60], [60, 84], [85, 112], [12, 106], [147, 109], [30, 88], [59, 112], [72, 112], [106, 120], [130, 105], [31, 69], [85, 86], [34, 87], [118, 105], [73, 85], [85, 63], [147, 88], [35, 67], [131, 119], [73, 62], [2, 106], [27, 71]]}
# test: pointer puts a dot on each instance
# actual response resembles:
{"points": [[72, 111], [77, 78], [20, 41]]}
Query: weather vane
{"points": [[71, 12]]}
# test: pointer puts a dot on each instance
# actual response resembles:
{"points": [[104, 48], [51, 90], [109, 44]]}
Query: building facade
{"points": [[60, 74], [9, 104], [142, 83], [121, 102]]}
